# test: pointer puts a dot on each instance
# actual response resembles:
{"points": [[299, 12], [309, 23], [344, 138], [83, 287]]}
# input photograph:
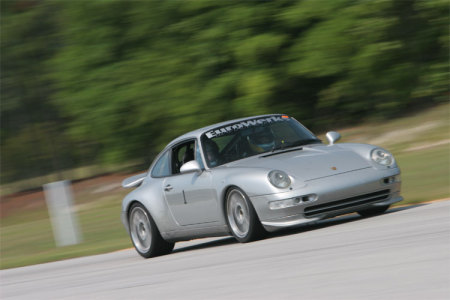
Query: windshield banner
{"points": [[243, 124]]}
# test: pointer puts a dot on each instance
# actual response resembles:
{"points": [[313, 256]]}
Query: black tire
{"points": [[145, 235], [377, 210], [242, 220]]}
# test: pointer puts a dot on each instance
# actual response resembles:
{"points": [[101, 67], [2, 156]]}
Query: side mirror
{"points": [[333, 137], [133, 181], [191, 166]]}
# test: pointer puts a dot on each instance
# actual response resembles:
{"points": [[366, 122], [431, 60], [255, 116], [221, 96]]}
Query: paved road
{"points": [[404, 254]]}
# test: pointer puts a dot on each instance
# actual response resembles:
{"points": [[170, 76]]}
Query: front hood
{"points": [[311, 162]]}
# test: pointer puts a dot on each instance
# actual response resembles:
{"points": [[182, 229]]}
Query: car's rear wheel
{"points": [[373, 211], [145, 235], [242, 219]]}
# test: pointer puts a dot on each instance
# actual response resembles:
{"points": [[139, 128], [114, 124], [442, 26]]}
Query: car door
{"points": [[190, 196]]}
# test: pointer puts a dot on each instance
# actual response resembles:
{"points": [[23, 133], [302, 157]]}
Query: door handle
{"points": [[168, 188]]}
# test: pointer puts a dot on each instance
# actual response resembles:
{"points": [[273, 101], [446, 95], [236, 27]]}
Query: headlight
{"points": [[279, 179], [382, 157]]}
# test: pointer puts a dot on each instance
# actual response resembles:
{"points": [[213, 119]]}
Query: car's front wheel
{"points": [[242, 219], [373, 211], [145, 235]]}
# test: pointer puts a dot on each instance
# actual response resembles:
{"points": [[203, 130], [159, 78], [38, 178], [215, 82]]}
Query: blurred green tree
{"points": [[116, 80], [32, 136]]}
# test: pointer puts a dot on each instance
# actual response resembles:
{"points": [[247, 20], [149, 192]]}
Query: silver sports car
{"points": [[248, 176]]}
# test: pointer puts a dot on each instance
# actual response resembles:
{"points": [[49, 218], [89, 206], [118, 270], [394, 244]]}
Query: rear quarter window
{"points": [[162, 166]]}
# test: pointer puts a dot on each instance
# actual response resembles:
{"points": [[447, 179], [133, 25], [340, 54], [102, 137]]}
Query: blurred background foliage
{"points": [[108, 82]]}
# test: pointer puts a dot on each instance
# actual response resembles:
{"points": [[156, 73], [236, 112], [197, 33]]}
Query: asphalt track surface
{"points": [[403, 254]]}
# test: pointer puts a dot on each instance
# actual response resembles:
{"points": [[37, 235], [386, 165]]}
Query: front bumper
{"points": [[329, 197]]}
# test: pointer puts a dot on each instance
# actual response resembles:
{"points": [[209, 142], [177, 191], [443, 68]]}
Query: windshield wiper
{"points": [[284, 150], [294, 144]]}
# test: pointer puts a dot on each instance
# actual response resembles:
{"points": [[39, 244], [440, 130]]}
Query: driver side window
{"points": [[181, 154]]}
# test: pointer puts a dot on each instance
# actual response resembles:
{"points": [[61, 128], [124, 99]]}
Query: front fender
{"points": [[254, 181], [365, 150]]}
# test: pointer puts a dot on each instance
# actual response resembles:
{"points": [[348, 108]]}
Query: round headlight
{"points": [[279, 179], [382, 157]]}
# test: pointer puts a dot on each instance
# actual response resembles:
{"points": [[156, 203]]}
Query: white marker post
{"points": [[58, 196]]}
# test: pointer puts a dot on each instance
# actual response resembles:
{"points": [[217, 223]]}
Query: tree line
{"points": [[101, 82]]}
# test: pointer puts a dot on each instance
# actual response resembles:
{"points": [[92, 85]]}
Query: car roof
{"points": [[198, 132]]}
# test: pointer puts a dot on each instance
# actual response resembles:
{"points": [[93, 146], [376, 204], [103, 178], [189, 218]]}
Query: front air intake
{"points": [[346, 203]]}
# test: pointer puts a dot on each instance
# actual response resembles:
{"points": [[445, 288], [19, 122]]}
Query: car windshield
{"points": [[252, 137]]}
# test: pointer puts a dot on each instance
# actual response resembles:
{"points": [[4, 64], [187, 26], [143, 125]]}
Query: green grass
{"points": [[26, 236], [425, 174]]}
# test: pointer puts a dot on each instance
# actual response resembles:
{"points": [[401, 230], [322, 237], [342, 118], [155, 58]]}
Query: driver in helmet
{"points": [[261, 140]]}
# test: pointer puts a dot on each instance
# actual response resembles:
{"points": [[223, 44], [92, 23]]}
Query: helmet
{"points": [[261, 139]]}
